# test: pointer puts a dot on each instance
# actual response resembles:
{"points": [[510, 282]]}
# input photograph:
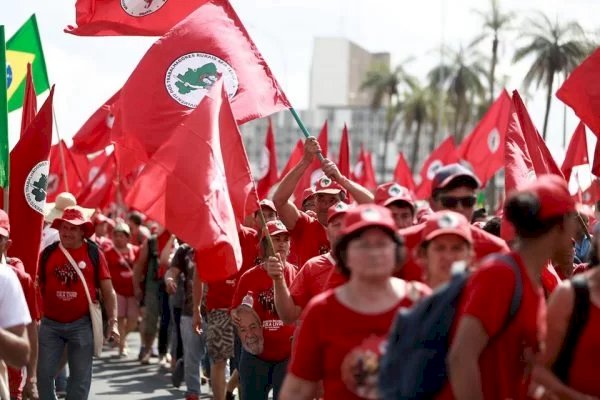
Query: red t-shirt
{"points": [[484, 243], [336, 345], [550, 279], [583, 375], [309, 239], [277, 335], [316, 276], [63, 292], [120, 266], [28, 285], [506, 362]]}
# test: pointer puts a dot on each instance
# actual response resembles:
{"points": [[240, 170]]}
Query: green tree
{"points": [[555, 48], [419, 108]]}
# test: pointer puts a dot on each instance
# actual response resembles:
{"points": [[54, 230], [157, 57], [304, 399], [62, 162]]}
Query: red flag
{"points": [[57, 183], [483, 149], [29, 102], [176, 73], [403, 174], [344, 158], [363, 173], [445, 154], [268, 165], [100, 191], [577, 152], [28, 178], [592, 194], [129, 17], [295, 157], [94, 135], [202, 209], [314, 171]]}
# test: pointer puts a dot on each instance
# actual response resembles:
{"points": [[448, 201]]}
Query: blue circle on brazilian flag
{"points": [[9, 76]]}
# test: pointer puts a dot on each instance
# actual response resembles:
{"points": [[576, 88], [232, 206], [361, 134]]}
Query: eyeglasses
{"points": [[453, 202]]}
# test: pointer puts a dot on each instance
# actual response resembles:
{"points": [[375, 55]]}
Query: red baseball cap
{"points": [[308, 193], [391, 192], [268, 204], [276, 227], [553, 194], [339, 208], [366, 216], [446, 223], [4, 224], [73, 215], [100, 218], [448, 173], [327, 185]]}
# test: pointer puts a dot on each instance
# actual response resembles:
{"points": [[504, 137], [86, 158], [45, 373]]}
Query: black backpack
{"points": [[414, 363], [93, 254], [577, 322]]}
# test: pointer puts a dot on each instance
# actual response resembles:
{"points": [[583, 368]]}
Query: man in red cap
{"points": [[15, 377], [316, 275], [453, 188], [309, 238], [399, 201], [66, 321]]}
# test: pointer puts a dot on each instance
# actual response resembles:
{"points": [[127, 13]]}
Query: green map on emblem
{"points": [[39, 190], [197, 78]]}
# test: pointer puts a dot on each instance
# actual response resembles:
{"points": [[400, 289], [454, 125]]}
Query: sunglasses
{"points": [[453, 202]]}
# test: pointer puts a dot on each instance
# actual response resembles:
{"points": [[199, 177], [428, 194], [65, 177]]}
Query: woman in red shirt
{"points": [[491, 355], [581, 380], [341, 337], [120, 256]]}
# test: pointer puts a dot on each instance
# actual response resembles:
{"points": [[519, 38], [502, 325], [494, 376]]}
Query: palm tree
{"points": [[556, 48], [419, 107], [386, 85], [494, 23], [462, 76]]}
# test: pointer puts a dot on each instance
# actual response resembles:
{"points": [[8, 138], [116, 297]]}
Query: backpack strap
{"points": [[94, 254], [579, 318], [44, 256]]}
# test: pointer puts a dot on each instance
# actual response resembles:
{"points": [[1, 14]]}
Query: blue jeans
{"points": [[194, 346], [77, 336], [258, 377]]}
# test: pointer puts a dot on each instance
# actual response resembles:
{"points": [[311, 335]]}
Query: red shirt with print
{"points": [[336, 344], [28, 285], [120, 266], [63, 292], [506, 362], [484, 243], [308, 238], [316, 276], [277, 335]]}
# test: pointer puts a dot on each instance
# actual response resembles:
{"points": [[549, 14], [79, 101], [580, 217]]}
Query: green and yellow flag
{"points": [[3, 116], [22, 48]]}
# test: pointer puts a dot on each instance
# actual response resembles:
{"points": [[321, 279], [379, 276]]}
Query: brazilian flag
{"points": [[25, 47]]}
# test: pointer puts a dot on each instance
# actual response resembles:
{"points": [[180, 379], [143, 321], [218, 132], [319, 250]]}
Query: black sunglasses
{"points": [[452, 202]]}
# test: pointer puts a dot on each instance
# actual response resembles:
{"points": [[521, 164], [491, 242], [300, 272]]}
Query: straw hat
{"points": [[63, 200]]}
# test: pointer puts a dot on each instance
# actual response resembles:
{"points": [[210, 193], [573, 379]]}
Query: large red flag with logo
{"points": [[592, 194], [403, 174], [129, 17], [178, 70], [28, 180], [344, 157], [94, 135], [444, 154], [483, 149], [29, 102], [314, 171], [577, 152], [364, 173], [268, 165], [101, 189], [75, 169], [204, 209]]}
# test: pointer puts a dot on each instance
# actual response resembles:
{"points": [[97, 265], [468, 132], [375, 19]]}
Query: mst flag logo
{"points": [[190, 77], [141, 8], [35, 186], [494, 140]]}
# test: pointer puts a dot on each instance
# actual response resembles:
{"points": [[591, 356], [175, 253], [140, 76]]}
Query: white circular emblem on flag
{"points": [[100, 182], [263, 165], [191, 76], [36, 184], [358, 169], [141, 8], [493, 140], [110, 120], [52, 183], [433, 168], [315, 176]]}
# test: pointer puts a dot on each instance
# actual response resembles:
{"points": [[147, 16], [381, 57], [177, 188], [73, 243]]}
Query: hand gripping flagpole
{"points": [[304, 130]]}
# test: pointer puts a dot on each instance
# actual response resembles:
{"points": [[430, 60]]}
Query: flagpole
{"points": [[4, 153], [303, 129], [61, 152]]}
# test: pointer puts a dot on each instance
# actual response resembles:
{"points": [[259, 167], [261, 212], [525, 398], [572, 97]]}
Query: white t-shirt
{"points": [[13, 307]]}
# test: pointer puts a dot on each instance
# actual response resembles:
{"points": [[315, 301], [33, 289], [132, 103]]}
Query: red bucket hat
{"points": [[73, 215], [446, 223], [366, 216], [391, 192], [553, 194]]}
